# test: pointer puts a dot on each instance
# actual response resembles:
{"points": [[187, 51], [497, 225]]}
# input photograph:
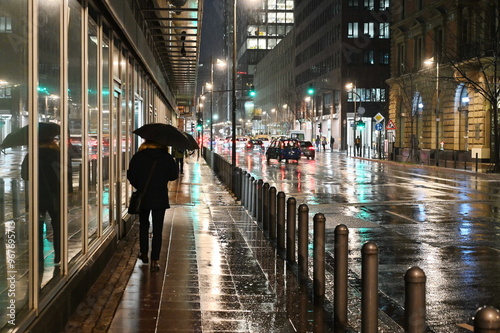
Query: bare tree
{"points": [[476, 58]]}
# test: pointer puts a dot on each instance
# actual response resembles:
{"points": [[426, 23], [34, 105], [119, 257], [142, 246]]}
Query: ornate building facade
{"points": [[444, 65]]}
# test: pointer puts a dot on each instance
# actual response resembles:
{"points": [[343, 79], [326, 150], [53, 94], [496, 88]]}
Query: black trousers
{"points": [[158, 218]]}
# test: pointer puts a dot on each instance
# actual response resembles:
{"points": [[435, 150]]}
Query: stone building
{"points": [[442, 100]]}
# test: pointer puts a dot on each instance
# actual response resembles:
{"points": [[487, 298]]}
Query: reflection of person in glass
{"points": [[48, 193]]}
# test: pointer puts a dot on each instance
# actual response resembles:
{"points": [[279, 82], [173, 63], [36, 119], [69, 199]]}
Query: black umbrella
{"points": [[46, 132], [192, 142], [164, 134]]}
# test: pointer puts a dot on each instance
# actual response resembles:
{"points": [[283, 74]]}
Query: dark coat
{"points": [[49, 169], [156, 195]]}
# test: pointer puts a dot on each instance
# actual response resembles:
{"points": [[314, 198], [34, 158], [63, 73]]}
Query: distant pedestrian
{"points": [[357, 143], [323, 143], [332, 141], [154, 166], [317, 142], [179, 158]]}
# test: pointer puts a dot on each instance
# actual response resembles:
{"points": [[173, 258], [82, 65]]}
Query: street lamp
{"points": [[352, 88]]}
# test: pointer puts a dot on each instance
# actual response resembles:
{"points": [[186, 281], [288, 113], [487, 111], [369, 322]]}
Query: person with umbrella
{"points": [[150, 170], [49, 194]]}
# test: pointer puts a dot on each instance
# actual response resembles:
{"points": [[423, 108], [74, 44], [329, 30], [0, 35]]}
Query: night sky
{"points": [[212, 33]]}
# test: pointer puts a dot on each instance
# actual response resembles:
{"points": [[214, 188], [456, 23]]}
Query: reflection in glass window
{"points": [[75, 149], [92, 130], [15, 215], [50, 172]]}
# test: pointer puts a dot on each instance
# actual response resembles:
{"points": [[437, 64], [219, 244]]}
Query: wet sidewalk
{"points": [[218, 274]]}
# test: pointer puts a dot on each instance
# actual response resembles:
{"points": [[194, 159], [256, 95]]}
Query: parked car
{"points": [[283, 149], [254, 144], [307, 149]]}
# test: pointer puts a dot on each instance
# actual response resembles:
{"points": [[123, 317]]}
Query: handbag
{"points": [[134, 206]]}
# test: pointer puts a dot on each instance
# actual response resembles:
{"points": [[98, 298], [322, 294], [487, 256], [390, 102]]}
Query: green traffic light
{"points": [[360, 124], [310, 90], [252, 93]]}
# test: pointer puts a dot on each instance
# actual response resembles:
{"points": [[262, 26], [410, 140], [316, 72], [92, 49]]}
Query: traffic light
{"points": [[310, 90], [199, 126], [192, 126], [252, 93], [360, 125]]}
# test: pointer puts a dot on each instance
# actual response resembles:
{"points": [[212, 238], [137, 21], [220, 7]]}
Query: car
{"points": [[283, 149], [266, 141], [241, 142], [307, 149], [254, 144]]}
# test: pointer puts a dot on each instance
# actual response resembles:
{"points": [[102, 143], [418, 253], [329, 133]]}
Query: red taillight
{"points": [[311, 148]]}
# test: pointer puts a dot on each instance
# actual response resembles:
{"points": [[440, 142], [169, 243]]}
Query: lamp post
{"points": [[233, 92], [352, 87], [212, 85]]}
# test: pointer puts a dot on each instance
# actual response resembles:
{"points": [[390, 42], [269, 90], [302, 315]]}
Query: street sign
{"points": [[390, 125], [378, 117], [378, 126]]}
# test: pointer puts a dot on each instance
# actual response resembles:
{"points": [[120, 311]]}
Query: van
{"points": [[297, 134]]}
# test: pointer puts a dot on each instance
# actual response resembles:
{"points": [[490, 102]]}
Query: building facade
{"points": [[443, 98], [76, 77], [337, 43]]}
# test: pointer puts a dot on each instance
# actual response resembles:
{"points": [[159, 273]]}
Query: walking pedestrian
{"points": [[179, 159], [317, 142], [323, 143], [150, 170], [357, 143], [332, 141]]}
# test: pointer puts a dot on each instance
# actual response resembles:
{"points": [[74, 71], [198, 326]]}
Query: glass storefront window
{"points": [[48, 217], [92, 129], [106, 142], [14, 256], [75, 125]]}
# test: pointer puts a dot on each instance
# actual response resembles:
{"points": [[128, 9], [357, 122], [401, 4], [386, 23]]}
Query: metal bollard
{"points": [[319, 255], [251, 194], [291, 220], [415, 301], [340, 274], [249, 187], [369, 288], [254, 197], [280, 221], [487, 320], [303, 240], [260, 194], [265, 207], [272, 212], [244, 189]]}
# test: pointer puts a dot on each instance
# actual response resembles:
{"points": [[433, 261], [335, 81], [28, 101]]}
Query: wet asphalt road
{"points": [[445, 222]]}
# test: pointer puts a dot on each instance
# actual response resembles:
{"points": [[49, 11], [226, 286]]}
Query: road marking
{"points": [[403, 217]]}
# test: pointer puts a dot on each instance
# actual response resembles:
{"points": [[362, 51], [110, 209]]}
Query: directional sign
{"points": [[378, 126], [378, 117], [390, 125]]}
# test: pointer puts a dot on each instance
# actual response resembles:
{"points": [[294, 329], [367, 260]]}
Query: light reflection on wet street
{"points": [[445, 222]]}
